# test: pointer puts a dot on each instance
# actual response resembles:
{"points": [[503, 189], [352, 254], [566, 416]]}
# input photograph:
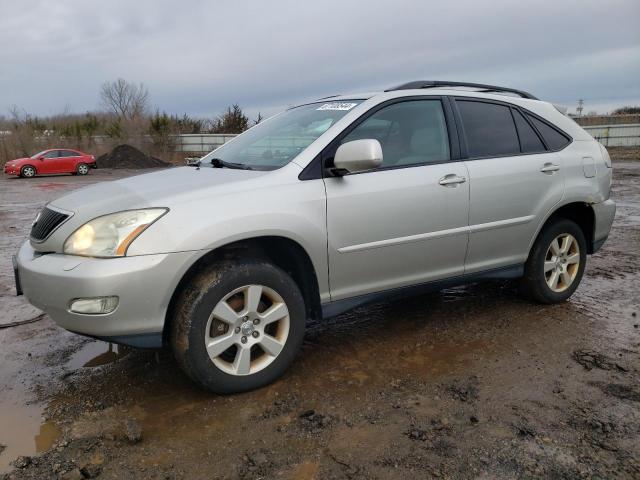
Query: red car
{"points": [[58, 160]]}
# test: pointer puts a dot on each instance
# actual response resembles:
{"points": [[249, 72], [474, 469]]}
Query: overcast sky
{"points": [[199, 56]]}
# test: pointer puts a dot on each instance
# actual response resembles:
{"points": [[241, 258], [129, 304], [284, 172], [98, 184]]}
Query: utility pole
{"points": [[580, 107]]}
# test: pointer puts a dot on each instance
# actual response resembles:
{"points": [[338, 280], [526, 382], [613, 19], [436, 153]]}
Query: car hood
{"points": [[17, 161], [163, 188]]}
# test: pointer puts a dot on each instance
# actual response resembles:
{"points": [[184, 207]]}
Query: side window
{"points": [[52, 154], [489, 129], [410, 133], [553, 138], [529, 140], [69, 153]]}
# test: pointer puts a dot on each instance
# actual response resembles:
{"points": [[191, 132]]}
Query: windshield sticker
{"points": [[337, 106]]}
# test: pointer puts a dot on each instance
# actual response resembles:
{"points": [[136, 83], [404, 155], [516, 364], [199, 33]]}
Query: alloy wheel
{"points": [[562, 262], [28, 172], [83, 169], [247, 330]]}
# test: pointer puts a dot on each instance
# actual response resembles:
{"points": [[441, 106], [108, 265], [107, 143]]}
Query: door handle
{"points": [[451, 180], [550, 168]]}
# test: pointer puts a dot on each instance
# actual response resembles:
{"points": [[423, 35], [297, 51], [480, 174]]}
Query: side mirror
{"points": [[357, 156]]}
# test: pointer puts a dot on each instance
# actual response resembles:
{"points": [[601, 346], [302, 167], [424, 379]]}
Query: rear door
{"points": [[515, 181], [404, 223], [69, 160]]}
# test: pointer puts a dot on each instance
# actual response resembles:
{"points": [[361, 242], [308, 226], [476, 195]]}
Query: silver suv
{"points": [[327, 206]]}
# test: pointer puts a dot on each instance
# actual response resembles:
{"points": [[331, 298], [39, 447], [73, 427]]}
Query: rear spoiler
{"points": [[561, 108]]}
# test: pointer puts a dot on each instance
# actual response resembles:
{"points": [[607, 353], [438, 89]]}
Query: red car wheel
{"points": [[27, 171]]}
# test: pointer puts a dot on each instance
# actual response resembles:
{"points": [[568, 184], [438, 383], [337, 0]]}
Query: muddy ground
{"points": [[470, 382]]}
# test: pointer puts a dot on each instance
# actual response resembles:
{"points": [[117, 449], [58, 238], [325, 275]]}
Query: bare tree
{"points": [[628, 110], [22, 130], [126, 100]]}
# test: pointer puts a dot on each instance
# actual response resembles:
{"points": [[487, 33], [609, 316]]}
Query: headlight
{"points": [[111, 235]]}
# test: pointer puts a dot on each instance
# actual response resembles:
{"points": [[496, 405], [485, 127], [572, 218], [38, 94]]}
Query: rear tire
{"points": [[556, 263], [28, 171], [238, 325], [82, 169]]}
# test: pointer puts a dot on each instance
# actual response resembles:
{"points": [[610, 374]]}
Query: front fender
{"points": [[296, 211]]}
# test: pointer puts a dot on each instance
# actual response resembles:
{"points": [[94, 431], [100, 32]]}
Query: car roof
{"points": [[435, 91], [515, 97], [427, 85]]}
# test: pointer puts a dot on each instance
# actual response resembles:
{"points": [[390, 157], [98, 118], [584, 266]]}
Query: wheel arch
{"points": [[580, 212], [281, 251]]}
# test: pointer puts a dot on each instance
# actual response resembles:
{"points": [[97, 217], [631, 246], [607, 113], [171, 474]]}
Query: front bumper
{"points": [[10, 170], [144, 285], [604, 213]]}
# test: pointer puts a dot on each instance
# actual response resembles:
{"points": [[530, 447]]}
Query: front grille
{"points": [[47, 222]]}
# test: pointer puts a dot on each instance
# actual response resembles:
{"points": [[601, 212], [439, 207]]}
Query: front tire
{"points": [[556, 263], [28, 171], [238, 325]]}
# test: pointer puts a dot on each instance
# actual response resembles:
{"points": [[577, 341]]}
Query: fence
{"points": [[201, 143], [616, 135]]}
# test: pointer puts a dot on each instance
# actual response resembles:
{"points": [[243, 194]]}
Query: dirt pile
{"points": [[126, 156]]}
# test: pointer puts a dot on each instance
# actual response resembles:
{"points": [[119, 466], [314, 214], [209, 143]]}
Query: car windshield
{"points": [[275, 142], [39, 154]]}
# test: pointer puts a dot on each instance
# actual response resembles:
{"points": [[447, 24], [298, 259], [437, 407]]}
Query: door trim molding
{"points": [[481, 227], [403, 240], [509, 222]]}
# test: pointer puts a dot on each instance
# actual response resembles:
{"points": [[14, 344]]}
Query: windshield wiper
{"points": [[219, 163]]}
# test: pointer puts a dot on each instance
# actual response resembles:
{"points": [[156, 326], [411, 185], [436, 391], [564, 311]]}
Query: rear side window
{"points": [[529, 140], [489, 129], [553, 138], [69, 153]]}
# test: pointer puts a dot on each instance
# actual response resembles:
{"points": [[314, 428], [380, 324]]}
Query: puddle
{"points": [[306, 471], [52, 186], [48, 435], [22, 429], [96, 354]]}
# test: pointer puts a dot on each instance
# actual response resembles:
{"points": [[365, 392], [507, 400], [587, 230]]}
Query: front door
{"points": [[51, 162], [406, 222]]}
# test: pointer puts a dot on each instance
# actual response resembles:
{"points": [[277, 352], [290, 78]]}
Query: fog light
{"points": [[93, 306]]}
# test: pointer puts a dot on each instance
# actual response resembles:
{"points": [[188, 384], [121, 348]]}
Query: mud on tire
{"points": [[191, 325], [535, 284]]}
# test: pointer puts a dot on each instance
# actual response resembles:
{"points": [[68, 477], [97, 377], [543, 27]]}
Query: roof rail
{"points": [[443, 83], [330, 96]]}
